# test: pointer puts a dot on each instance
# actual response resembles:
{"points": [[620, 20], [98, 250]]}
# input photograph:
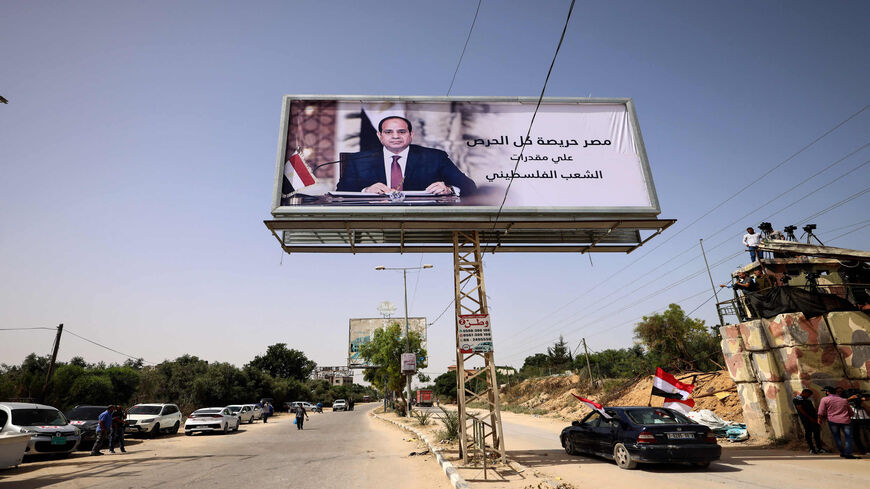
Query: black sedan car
{"points": [[85, 418], [642, 434]]}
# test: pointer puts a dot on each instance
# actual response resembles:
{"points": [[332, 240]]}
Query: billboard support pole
{"points": [[468, 273]]}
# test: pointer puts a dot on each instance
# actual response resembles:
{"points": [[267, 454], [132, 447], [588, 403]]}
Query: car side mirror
{"points": [[575, 423]]}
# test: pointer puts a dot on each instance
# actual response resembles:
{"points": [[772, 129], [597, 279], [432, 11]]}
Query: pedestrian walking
{"points": [[301, 416], [808, 415], [119, 420], [267, 411], [104, 429], [319, 407], [836, 411]]}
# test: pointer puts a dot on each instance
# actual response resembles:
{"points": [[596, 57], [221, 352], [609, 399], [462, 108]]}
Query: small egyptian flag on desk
{"points": [[296, 175]]}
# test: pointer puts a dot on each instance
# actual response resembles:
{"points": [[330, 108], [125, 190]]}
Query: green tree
{"points": [[385, 350], [284, 363], [678, 341], [445, 386], [559, 355]]}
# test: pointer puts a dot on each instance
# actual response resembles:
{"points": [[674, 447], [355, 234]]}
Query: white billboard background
{"points": [[577, 155], [362, 330]]}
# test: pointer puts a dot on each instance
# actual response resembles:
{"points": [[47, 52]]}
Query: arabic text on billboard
{"points": [[384, 154]]}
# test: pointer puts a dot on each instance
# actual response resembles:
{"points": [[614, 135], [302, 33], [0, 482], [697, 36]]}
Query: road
{"points": [[534, 442], [335, 450]]}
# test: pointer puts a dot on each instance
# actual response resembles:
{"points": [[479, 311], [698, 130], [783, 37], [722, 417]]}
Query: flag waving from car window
{"points": [[592, 405]]}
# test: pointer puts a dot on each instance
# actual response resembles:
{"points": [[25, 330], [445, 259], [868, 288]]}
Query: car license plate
{"points": [[680, 436], [58, 440]]}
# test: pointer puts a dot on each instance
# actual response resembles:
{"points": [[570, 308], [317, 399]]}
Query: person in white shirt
{"points": [[751, 241]]}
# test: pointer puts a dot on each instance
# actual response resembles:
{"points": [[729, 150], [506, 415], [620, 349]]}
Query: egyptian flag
{"points": [[666, 385], [296, 175], [683, 406], [592, 405]]}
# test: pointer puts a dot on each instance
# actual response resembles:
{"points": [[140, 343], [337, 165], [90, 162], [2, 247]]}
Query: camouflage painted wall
{"points": [[773, 359]]}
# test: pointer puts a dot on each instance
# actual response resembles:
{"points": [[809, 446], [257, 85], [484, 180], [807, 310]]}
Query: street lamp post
{"points": [[407, 327]]}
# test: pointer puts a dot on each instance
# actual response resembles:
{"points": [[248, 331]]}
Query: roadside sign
{"points": [[475, 335], [409, 362]]}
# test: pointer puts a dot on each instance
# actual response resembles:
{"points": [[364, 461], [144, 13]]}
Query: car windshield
{"points": [[38, 417], [656, 416], [207, 411], [235, 409], [85, 413], [144, 410]]}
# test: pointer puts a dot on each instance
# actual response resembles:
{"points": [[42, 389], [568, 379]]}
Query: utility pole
{"points": [[51, 362], [588, 366], [715, 294]]}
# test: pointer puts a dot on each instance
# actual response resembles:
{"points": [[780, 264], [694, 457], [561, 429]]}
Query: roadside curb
{"points": [[449, 470]]}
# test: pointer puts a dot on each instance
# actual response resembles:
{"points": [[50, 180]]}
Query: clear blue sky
{"points": [[138, 149]]}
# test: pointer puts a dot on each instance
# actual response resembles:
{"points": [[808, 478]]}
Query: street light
{"points": [[407, 336]]}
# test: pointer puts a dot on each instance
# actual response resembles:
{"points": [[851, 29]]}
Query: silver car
{"points": [[49, 429]]}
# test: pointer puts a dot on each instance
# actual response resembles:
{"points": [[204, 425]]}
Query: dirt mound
{"points": [[551, 396]]}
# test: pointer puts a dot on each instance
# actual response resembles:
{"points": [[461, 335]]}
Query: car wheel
{"points": [[175, 428], [155, 432], [238, 422], [570, 449], [251, 421], [188, 433], [701, 465], [623, 458], [226, 428]]}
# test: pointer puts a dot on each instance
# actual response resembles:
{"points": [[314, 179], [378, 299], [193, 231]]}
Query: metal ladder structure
{"points": [[468, 274]]}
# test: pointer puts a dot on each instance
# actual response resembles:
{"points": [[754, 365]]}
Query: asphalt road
{"points": [[335, 450]]}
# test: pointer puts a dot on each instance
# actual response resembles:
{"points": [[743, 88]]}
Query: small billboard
{"points": [[413, 157], [362, 330]]}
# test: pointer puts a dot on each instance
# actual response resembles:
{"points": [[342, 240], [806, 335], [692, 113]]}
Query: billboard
{"points": [[363, 329], [407, 156]]}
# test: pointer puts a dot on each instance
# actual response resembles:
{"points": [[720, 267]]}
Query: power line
{"points": [[474, 21], [26, 329], [850, 232], [535, 113], [107, 348], [717, 206]]}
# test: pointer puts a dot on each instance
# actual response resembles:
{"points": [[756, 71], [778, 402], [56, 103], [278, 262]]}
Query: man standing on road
{"points": [[837, 412], [267, 411], [803, 403], [301, 416], [104, 429]]}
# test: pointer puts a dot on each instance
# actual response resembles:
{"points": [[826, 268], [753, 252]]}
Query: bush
{"points": [[450, 420], [422, 417]]}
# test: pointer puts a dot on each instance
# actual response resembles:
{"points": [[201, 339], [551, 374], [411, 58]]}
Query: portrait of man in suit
{"points": [[402, 166]]}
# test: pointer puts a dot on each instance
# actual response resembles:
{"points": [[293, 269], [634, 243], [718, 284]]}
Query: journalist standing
{"points": [[836, 411]]}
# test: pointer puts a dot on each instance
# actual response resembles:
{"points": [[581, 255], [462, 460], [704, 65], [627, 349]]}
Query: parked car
{"points": [[153, 419], [243, 411], [49, 429], [642, 434], [291, 406], [257, 410], [86, 419], [339, 405], [211, 419]]}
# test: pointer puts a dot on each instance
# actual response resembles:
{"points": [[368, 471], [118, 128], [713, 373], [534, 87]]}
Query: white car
{"points": [[243, 411], [339, 405], [257, 410], [49, 429], [153, 419], [211, 419]]}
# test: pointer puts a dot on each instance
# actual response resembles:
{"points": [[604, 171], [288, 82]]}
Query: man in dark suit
{"points": [[402, 166]]}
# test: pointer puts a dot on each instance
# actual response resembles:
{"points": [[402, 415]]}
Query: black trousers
{"points": [[812, 430], [299, 422]]}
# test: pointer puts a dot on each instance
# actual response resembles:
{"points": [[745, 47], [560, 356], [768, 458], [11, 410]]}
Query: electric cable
{"points": [[66, 330]]}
